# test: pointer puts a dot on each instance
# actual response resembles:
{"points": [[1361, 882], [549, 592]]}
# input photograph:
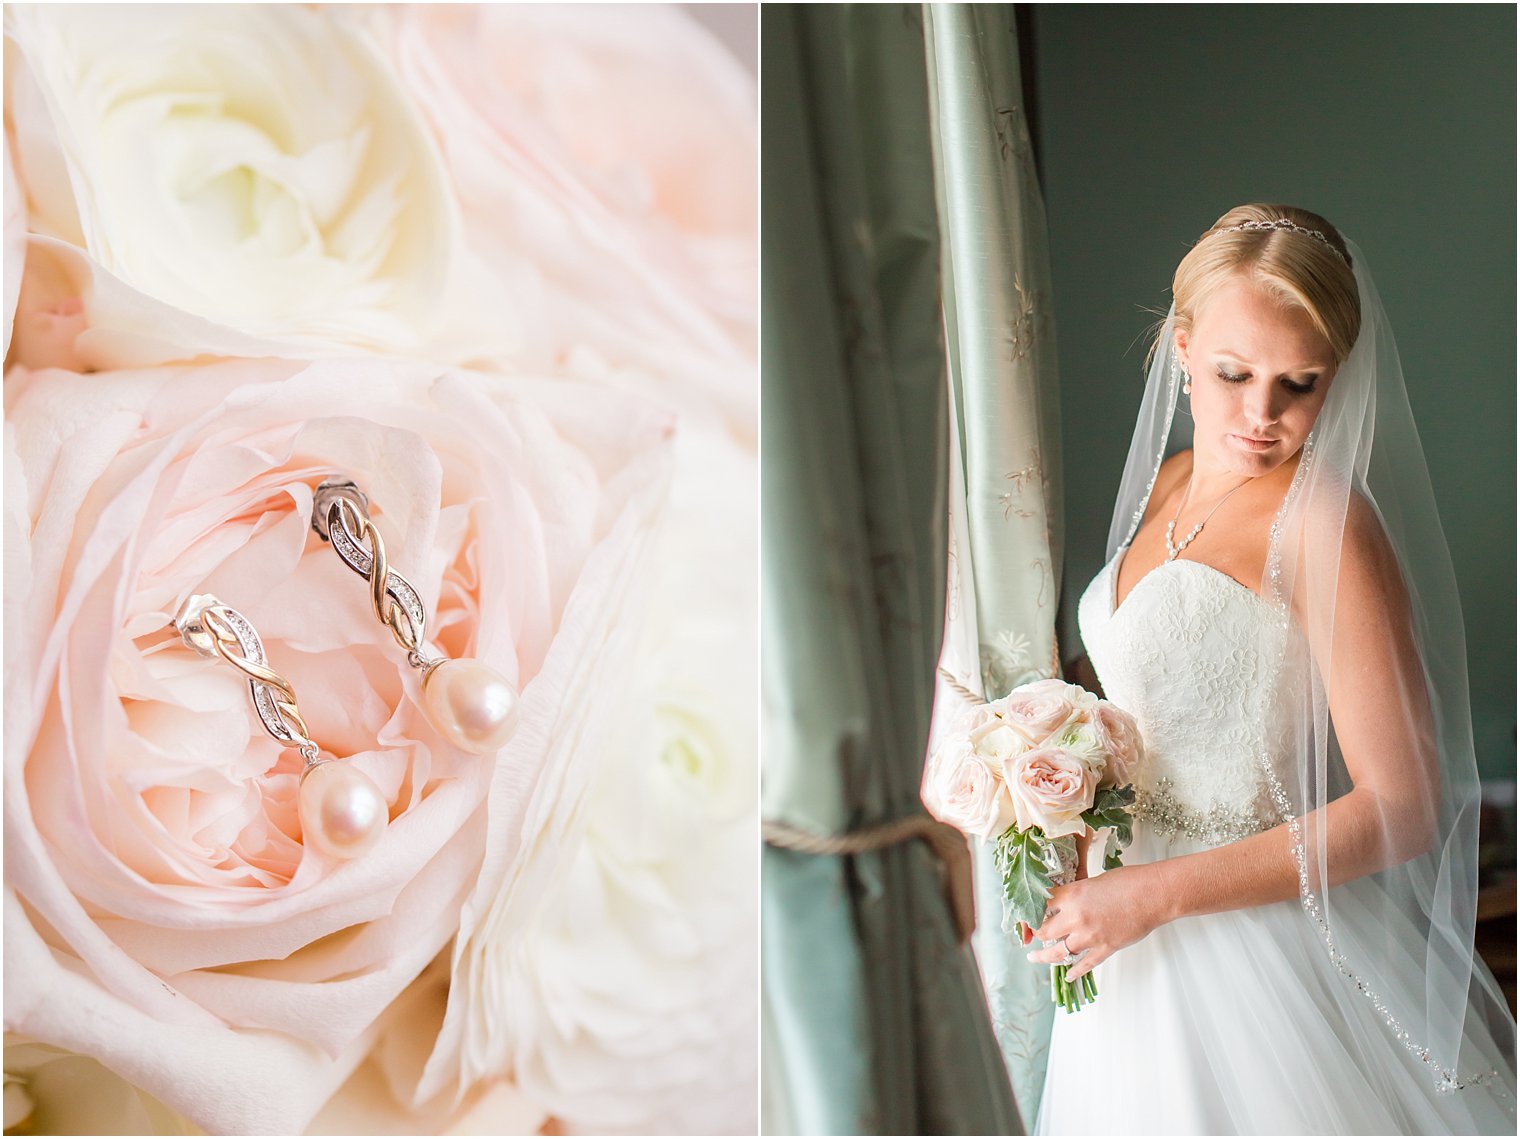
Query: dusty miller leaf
{"points": [[1111, 808], [1026, 880]]}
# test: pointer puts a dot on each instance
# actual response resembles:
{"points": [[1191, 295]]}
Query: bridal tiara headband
{"points": [[1284, 223]]}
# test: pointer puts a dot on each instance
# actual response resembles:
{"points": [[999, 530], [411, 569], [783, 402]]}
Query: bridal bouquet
{"points": [[1032, 773], [497, 264]]}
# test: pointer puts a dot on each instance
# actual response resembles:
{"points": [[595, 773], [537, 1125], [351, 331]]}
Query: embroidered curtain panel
{"points": [[1005, 510], [874, 1019]]}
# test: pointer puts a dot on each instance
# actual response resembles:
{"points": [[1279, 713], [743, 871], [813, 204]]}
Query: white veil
{"points": [[1389, 886]]}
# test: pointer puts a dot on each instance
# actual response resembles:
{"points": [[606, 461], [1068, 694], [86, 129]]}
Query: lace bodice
{"points": [[1198, 660]]}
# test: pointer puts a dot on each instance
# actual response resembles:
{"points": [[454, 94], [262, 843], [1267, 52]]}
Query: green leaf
{"points": [[1111, 808], [1026, 881]]}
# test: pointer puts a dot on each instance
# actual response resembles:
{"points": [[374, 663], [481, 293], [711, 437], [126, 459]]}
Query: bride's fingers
{"points": [[1084, 840], [1051, 956], [1089, 959]]}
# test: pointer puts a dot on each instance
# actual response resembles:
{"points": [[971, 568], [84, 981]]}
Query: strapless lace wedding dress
{"points": [[1238, 1022]]}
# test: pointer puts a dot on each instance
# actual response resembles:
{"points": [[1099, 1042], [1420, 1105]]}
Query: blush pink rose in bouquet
{"points": [[1031, 773], [161, 914], [1118, 737], [1050, 788], [962, 790]]}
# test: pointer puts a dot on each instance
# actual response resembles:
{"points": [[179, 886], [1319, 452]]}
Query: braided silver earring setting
{"points": [[342, 811], [471, 704]]}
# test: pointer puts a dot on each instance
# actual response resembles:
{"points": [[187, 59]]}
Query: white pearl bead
{"points": [[471, 705], [342, 812]]}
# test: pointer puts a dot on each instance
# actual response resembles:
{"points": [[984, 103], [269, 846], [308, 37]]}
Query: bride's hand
{"points": [[1101, 915]]}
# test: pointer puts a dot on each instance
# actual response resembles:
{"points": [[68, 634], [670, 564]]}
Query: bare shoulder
{"points": [[1368, 568]]}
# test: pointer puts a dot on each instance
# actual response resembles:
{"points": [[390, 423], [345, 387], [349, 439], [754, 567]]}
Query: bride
{"points": [[1288, 947]]}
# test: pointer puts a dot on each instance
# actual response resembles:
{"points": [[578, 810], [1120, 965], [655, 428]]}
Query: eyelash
{"points": [[1300, 389]]}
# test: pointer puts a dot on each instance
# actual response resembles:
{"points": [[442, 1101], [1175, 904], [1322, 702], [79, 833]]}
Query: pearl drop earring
{"points": [[341, 810], [471, 704]]}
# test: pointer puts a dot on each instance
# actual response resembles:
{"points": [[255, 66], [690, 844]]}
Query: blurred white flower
{"points": [[51, 1091], [612, 974], [259, 168]]}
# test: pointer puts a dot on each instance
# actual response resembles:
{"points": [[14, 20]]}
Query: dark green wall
{"points": [[1396, 122]]}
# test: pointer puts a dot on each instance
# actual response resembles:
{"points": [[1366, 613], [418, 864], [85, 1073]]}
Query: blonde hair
{"points": [[1295, 269]]}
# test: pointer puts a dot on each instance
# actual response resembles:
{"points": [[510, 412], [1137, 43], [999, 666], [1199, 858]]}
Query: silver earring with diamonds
{"points": [[342, 812], [471, 704]]}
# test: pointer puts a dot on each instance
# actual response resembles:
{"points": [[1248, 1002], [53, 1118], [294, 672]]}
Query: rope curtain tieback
{"points": [[971, 696], [947, 843]]}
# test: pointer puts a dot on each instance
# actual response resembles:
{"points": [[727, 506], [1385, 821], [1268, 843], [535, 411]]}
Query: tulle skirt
{"points": [[1238, 1023]]}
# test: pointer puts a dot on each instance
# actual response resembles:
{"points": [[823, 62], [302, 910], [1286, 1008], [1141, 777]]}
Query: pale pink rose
{"points": [[972, 718], [377, 1099], [1037, 710], [962, 790], [15, 244], [1050, 789], [1119, 738], [605, 159], [162, 915], [1078, 697]]}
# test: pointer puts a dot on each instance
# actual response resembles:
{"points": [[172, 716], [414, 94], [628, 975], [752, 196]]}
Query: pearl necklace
{"points": [[1171, 527]]}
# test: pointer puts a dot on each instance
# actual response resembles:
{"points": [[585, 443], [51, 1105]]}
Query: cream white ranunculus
{"points": [[259, 167], [606, 964], [52, 1091]]}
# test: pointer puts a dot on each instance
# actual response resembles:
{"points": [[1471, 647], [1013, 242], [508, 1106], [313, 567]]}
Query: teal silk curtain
{"points": [[1005, 512], [874, 1018]]}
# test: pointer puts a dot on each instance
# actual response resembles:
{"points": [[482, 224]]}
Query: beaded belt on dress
{"points": [[1169, 817]]}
